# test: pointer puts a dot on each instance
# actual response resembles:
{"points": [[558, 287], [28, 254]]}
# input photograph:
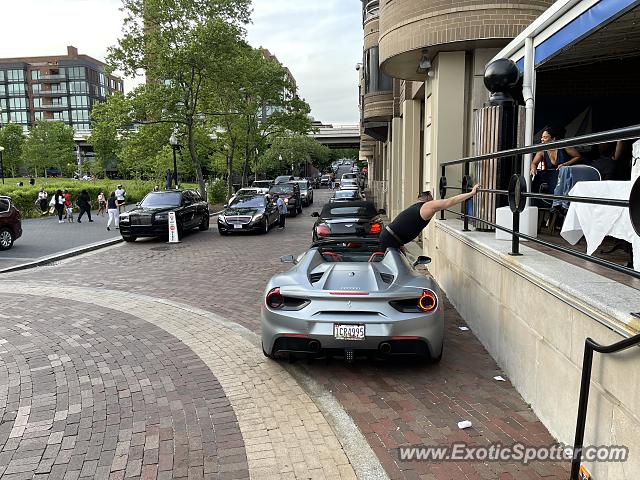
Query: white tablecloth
{"points": [[597, 221]]}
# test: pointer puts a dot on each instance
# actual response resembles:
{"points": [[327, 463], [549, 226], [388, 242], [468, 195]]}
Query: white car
{"points": [[349, 184], [262, 186]]}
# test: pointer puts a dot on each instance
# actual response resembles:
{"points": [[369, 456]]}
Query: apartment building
{"points": [[54, 88]]}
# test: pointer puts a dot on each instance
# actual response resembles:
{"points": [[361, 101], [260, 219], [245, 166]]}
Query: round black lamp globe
{"points": [[501, 75]]}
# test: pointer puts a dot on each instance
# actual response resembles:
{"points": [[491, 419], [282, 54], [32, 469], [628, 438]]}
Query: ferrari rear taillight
{"points": [[323, 231], [274, 299], [375, 228], [428, 301]]}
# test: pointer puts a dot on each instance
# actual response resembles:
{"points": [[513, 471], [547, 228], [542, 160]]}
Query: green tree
{"points": [[12, 139], [50, 144], [108, 119], [294, 150], [184, 47]]}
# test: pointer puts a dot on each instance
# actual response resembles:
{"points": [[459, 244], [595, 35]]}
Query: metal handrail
{"points": [[587, 361], [627, 133], [518, 194]]}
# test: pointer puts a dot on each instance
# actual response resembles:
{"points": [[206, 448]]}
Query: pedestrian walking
{"points": [[42, 201], [120, 198], [84, 203], [59, 204], [102, 204], [68, 206], [112, 209], [282, 211], [411, 221], [333, 180]]}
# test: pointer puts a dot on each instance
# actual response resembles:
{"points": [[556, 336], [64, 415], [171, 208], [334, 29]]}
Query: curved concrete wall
{"points": [[412, 25]]}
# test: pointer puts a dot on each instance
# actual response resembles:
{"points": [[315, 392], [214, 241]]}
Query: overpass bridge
{"points": [[337, 136]]}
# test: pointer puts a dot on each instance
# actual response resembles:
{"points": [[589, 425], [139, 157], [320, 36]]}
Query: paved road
{"points": [[42, 237], [157, 345]]}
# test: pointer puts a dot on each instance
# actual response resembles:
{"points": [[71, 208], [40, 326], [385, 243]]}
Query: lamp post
{"points": [[1, 164], [173, 140]]}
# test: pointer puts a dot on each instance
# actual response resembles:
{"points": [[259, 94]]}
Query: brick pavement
{"points": [[393, 404]]}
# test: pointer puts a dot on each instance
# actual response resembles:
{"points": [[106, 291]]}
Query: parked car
{"points": [[53, 172], [349, 184], [351, 297], [150, 218], [283, 179], [10, 223], [348, 219], [325, 179], [246, 191], [346, 196], [306, 192], [290, 193], [262, 186], [248, 213]]}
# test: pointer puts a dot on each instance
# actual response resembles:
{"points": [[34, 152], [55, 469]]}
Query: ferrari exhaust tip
{"points": [[385, 348], [314, 346]]}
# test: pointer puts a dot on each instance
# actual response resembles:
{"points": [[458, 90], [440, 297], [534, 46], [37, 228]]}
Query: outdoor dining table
{"points": [[598, 221]]}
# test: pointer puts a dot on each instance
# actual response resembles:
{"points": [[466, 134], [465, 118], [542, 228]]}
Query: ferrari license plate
{"points": [[237, 226], [348, 332]]}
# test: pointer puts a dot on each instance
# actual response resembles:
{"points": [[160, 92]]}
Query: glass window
{"points": [[18, 103], [112, 83], [80, 115], [15, 75], [3, 90], [375, 80], [38, 116], [37, 102], [77, 72], [103, 92], [61, 116], [81, 126], [161, 200], [19, 117], [35, 74], [3, 104], [5, 117], [102, 79], [78, 87], [16, 89], [79, 101], [35, 87], [2, 76]]}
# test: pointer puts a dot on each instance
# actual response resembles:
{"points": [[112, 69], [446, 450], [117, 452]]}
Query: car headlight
{"points": [[286, 200], [124, 217], [222, 219], [162, 216], [257, 217]]}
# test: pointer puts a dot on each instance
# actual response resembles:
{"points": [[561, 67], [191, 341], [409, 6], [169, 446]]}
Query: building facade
{"points": [[55, 88], [532, 313]]}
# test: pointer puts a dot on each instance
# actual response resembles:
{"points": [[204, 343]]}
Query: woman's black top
{"points": [[111, 202]]}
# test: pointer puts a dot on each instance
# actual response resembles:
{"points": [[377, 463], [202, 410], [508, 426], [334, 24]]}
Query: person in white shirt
{"points": [[42, 201], [120, 200]]}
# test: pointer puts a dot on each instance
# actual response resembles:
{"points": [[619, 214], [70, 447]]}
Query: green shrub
{"points": [[217, 191], [25, 197]]}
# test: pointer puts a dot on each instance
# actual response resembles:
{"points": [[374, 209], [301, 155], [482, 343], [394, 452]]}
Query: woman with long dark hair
{"points": [[59, 204]]}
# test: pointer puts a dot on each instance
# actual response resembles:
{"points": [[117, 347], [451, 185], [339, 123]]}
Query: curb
{"points": [[63, 255]]}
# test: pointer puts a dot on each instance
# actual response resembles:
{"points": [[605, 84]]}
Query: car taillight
{"points": [[428, 301], [375, 228], [274, 298], [323, 231]]}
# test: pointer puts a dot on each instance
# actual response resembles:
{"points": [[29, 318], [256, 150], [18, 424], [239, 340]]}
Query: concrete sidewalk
{"points": [[42, 237]]}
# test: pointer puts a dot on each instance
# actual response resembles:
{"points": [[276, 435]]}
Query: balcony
{"points": [[50, 93], [52, 107], [371, 11], [378, 107], [51, 78]]}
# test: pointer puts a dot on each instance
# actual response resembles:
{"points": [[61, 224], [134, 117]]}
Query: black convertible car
{"points": [[248, 213], [348, 219], [150, 218]]}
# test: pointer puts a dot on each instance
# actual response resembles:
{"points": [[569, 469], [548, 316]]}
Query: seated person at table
{"points": [[557, 158], [609, 157]]}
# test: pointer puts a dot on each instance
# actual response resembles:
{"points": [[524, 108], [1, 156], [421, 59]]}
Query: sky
{"points": [[319, 41]]}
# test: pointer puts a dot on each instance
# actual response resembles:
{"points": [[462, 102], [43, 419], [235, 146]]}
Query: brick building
{"points": [[54, 88]]}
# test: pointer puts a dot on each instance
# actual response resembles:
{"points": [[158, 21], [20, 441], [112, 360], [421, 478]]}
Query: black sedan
{"points": [[150, 218], [348, 219], [248, 213], [347, 196]]}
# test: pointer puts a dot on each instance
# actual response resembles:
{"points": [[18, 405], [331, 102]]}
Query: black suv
{"points": [[290, 193]]}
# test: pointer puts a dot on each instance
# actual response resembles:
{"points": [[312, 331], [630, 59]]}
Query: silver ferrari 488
{"points": [[351, 298]]}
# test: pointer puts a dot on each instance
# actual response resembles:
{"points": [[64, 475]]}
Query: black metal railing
{"points": [[589, 347], [518, 195]]}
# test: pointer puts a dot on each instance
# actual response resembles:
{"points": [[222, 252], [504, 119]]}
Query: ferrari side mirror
{"points": [[288, 259], [422, 260]]}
